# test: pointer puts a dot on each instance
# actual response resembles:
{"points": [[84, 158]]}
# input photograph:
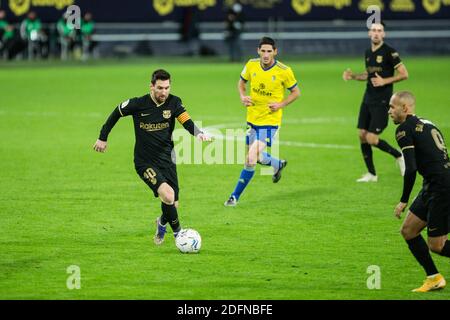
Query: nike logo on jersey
{"points": [[145, 114]]}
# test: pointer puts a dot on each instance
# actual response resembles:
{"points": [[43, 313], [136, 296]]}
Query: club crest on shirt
{"points": [[166, 114], [379, 59], [400, 135], [419, 127]]}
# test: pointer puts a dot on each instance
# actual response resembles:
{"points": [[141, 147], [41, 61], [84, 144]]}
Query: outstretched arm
{"points": [[101, 144], [185, 120]]}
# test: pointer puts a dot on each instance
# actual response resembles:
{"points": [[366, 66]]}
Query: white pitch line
{"points": [[314, 120], [240, 124], [317, 145], [283, 143]]}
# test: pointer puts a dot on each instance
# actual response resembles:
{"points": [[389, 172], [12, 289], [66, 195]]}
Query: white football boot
{"points": [[368, 177], [231, 202]]}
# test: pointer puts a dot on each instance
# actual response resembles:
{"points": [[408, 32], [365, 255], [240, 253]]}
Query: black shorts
{"points": [[374, 117], [154, 176], [433, 207]]}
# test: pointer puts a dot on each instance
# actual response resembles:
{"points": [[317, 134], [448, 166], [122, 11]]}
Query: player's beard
{"points": [[160, 99], [376, 42], [395, 120]]}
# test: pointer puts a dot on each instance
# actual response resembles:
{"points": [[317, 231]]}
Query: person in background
{"points": [[6, 35], [234, 27], [190, 32], [383, 68], [87, 31], [66, 36], [31, 32]]}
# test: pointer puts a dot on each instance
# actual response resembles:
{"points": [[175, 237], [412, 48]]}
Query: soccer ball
{"points": [[188, 241]]}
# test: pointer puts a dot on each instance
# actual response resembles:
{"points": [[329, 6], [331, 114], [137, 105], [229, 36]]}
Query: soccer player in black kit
{"points": [[383, 68], [154, 117], [424, 151]]}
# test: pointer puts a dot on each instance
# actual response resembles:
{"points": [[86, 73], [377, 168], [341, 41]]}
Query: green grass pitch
{"points": [[311, 236]]}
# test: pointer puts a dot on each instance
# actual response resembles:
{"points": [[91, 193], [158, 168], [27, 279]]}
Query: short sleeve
{"points": [[394, 58], [127, 107], [245, 74], [404, 137], [289, 82], [179, 108], [180, 112]]}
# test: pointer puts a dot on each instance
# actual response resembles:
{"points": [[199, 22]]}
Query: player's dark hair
{"points": [[267, 40], [160, 74]]}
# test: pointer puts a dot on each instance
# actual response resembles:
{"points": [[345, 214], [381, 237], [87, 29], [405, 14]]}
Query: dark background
{"points": [[255, 10]]}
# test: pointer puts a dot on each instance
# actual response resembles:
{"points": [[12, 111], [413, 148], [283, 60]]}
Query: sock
{"points": [[386, 147], [246, 175], [420, 251], [368, 159], [268, 160], [170, 215], [445, 252], [163, 219]]}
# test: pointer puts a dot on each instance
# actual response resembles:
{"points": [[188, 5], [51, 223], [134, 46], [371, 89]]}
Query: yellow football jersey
{"points": [[267, 85]]}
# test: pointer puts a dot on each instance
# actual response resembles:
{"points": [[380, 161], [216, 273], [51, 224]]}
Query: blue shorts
{"points": [[261, 133]]}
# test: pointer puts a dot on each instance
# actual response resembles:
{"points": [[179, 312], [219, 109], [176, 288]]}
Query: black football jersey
{"points": [[430, 150], [153, 127], [383, 61]]}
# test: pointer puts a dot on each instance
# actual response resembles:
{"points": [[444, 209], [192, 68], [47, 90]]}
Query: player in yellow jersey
{"points": [[269, 79]]}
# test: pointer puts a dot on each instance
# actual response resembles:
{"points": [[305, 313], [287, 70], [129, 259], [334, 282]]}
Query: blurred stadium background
{"points": [[200, 27]]}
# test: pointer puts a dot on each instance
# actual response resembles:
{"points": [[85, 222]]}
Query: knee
{"points": [[372, 139], [167, 195], [435, 246], [407, 233], [362, 136]]}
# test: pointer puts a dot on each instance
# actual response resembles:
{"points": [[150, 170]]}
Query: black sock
{"points": [[368, 159], [170, 215], [386, 147], [446, 249], [420, 251]]}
